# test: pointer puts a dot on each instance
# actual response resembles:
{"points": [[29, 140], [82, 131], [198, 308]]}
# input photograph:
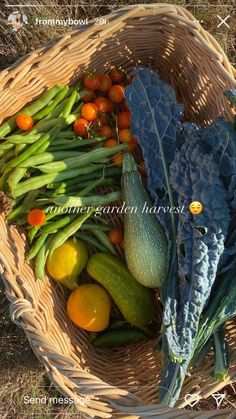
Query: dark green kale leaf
{"points": [[195, 176]]}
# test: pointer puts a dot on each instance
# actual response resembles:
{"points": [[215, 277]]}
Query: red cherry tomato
{"points": [[24, 122], [93, 81], [81, 127], [106, 131], [36, 217], [125, 135], [102, 104], [115, 235], [124, 120], [89, 111], [117, 159], [116, 93], [106, 83], [110, 143]]}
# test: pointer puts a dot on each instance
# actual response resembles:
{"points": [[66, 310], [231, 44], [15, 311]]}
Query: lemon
{"points": [[67, 261], [89, 307]]}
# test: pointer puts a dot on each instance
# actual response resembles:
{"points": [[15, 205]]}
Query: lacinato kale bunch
{"points": [[187, 163]]}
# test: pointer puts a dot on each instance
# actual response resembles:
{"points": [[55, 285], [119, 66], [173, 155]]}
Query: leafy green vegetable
{"points": [[156, 117], [202, 168], [220, 136], [195, 177], [221, 307], [221, 355]]}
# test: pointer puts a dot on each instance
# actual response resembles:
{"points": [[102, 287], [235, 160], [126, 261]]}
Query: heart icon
{"points": [[192, 399]]}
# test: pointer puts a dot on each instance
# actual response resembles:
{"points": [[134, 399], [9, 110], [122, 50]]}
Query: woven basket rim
{"points": [[204, 35], [14, 293]]}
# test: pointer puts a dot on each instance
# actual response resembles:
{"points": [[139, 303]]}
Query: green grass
{"points": [[15, 44]]}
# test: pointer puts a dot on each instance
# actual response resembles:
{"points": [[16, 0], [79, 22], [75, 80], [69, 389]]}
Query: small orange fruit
{"points": [[116, 93], [24, 122], [117, 159], [124, 120], [105, 131], [89, 307], [106, 83], [102, 104], [36, 217], [89, 111], [115, 235], [125, 135], [110, 143], [81, 127]]}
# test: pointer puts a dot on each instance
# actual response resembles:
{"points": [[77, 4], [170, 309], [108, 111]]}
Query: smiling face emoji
{"points": [[195, 207]]}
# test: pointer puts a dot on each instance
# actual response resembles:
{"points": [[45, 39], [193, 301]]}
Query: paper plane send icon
{"points": [[218, 398]]}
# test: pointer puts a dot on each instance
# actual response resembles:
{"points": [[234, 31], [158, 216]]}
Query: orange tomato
{"points": [[110, 143], [89, 95], [81, 127], [116, 75], [93, 81], [89, 307], [89, 111], [36, 217], [122, 244], [125, 135], [102, 104], [117, 159], [24, 122], [132, 145], [105, 131], [124, 120], [115, 235], [106, 83], [116, 93]]}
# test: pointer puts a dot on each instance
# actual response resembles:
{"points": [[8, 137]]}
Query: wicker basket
{"points": [[122, 382]]}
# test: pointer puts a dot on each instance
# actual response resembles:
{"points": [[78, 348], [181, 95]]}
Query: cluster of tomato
{"points": [[105, 111]]}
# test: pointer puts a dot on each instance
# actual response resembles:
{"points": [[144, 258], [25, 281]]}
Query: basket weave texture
{"points": [[122, 382]]}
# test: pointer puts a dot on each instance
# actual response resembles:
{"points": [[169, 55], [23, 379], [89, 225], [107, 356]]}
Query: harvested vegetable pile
{"points": [[60, 162]]}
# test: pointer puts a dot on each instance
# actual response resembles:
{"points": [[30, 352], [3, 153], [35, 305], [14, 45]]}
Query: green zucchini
{"points": [[145, 241], [135, 302]]}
